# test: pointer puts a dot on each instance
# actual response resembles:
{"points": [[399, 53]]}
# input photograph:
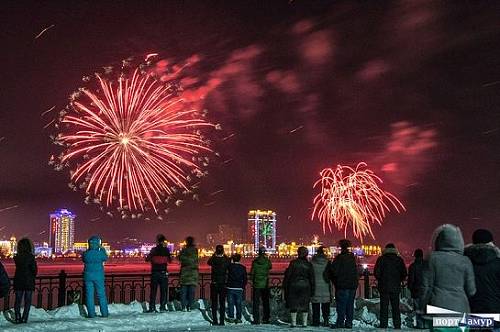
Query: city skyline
{"points": [[294, 91]]}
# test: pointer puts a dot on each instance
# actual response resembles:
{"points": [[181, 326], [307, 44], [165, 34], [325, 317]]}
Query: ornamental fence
{"points": [[62, 289]]}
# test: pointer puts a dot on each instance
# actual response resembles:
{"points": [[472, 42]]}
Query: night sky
{"points": [[412, 88]]}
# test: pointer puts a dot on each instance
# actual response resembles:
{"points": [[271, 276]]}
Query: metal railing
{"points": [[56, 291]]}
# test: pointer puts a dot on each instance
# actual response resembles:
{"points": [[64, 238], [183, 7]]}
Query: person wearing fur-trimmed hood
{"points": [[448, 279], [485, 258]]}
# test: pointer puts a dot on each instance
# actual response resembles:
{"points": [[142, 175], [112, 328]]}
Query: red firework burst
{"points": [[132, 142], [352, 198]]}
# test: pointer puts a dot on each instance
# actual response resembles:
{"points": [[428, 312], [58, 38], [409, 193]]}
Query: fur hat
{"points": [[482, 236]]}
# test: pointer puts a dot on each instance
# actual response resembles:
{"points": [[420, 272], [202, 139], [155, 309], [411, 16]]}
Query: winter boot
{"points": [[293, 321], [304, 319], [18, 319]]}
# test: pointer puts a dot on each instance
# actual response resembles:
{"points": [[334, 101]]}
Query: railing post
{"points": [[112, 290], [62, 289], [202, 286], [366, 282]]}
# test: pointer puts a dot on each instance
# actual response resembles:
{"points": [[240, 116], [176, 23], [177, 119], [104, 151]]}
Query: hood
{"points": [[94, 242], [482, 253], [448, 238], [419, 260], [319, 258], [190, 249], [261, 259], [390, 251]]}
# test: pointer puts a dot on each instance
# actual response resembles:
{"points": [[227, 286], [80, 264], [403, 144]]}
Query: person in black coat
{"points": [[344, 274], [298, 285], [24, 278], [485, 258], [390, 272], [4, 282], [219, 263], [236, 284], [159, 257], [415, 283]]}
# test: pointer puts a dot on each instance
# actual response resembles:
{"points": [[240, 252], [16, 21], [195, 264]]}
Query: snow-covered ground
{"points": [[130, 317]]}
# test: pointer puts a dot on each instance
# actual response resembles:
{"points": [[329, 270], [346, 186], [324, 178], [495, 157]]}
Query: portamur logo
{"points": [[467, 321], [476, 322], [448, 318]]}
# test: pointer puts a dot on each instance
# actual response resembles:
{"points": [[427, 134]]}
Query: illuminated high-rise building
{"points": [[262, 229], [62, 231]]}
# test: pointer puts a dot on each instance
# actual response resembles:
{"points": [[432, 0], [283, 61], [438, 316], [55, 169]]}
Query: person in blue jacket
{"points": [[93, 276]]}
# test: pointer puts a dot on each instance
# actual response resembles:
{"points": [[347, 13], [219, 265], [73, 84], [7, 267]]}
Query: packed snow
{"points": [[131, 317]]}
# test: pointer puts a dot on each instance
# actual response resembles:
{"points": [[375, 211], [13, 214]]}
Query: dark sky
{"points": [[409, 87]]}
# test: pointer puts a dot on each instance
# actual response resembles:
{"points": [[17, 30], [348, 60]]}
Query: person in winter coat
{"points": [[344, 274], [4, 282], [322, 293], [93, 276], [448, 275], [390, 272], [298, 285], [219, 263], [236, 284], [159, 257], [189, 273], [415, 276], [261, 266], [485, 258], [24, 278]]}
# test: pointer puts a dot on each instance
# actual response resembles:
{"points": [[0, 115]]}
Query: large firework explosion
{"points": [[351, 198], [131, 141]]}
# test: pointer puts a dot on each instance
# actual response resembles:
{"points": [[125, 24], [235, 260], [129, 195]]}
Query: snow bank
{"points": [[123, 317], [69, 311], [130, 317], [368, 317]]}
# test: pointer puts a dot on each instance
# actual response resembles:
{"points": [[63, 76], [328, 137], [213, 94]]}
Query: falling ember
{"points": [[352, 198], [9, 208], [44, 30], [132, 142]]}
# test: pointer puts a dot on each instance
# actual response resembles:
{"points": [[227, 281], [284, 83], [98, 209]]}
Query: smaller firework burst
{"points": [[351, 198]]}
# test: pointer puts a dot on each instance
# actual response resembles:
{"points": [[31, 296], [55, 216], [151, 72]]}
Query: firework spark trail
{"points": [[295, 129], [48, 124], [133, 143], [351, 198], [48, 111], [44, 30], [9, 208], [229, 136], [150, 55]]}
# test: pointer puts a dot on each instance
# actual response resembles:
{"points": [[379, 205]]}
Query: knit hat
{"points": [[482, 236]]}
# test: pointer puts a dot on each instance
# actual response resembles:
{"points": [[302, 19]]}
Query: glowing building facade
{"points": [[262, 229], [62, 231]]}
